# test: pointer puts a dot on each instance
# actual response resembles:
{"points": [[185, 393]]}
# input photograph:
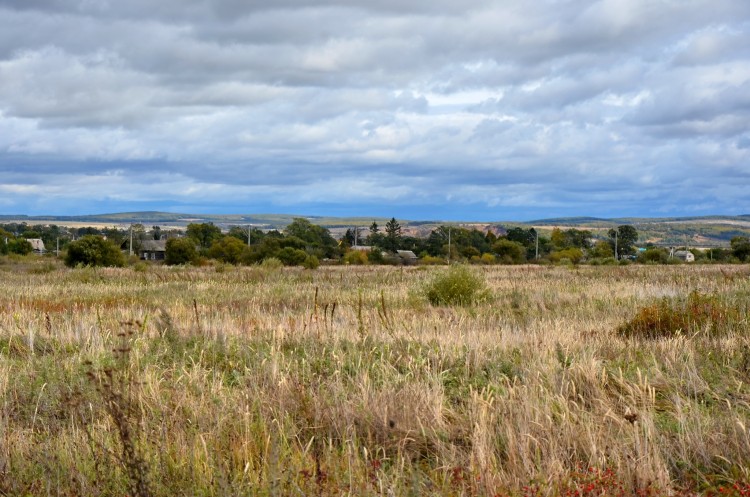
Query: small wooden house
{"points": [[153, 250]]}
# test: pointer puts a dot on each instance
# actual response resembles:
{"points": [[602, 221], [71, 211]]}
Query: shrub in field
{"points": [[228, 249], [488, 258], [573, 255], [509, 252], [697, 313], [181, 251], [459, 285], [656, 255], [355, 257], [430, 260], [92, 250], [375, 256], [140, 267], [271, 264], [291, 256], [311, 262]]}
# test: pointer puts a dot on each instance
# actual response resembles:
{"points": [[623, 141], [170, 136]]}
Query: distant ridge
{"points": [[280, 220], [570, 220]]}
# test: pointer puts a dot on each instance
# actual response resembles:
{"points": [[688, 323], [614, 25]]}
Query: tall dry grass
{"points": [[346, 381]]}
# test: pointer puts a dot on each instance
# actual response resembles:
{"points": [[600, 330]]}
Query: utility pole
{"points": [[537, 245], [616, 258], [131, 239], [249, 227], [449, 245], [356, 232], [57, 250]]}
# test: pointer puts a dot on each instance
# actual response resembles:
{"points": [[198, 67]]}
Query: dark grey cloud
{"points": [[500, 105]]}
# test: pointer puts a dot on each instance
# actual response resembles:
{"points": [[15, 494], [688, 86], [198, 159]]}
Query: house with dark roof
{"points": [[153, 250]]}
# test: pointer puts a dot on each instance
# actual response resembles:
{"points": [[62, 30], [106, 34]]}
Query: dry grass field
{"points": [[221, 381]]}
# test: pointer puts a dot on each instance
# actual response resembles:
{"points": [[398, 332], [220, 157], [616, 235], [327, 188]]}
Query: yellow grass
{"points": [[345, 381]]}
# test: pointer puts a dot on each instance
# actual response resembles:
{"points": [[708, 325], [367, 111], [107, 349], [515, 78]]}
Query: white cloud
{"points": [[576, 104]]}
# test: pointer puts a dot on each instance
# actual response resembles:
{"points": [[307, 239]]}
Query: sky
{"points": [[418, 109]]}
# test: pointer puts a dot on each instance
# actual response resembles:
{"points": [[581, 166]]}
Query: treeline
{"points": [[300, 244], [54, 236], [303, 243]]}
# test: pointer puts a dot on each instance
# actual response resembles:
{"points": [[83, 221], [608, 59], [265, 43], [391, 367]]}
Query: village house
{"points": [[685, 255], [153, 250], [37, 245], [407, 257]]}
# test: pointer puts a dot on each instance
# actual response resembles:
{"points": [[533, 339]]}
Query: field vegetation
{"points": [[374, 380]]}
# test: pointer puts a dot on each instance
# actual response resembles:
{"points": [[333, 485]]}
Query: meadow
{"points": [[222, 380]]}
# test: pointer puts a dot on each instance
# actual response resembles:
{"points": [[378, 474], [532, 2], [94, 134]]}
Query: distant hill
{"points": [[708, 231]]}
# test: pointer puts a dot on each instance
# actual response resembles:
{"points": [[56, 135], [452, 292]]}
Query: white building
{"points": [[37, 244], [685, 255]]}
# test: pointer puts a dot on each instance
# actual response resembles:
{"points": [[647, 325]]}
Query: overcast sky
{"points": [[428, 109]]}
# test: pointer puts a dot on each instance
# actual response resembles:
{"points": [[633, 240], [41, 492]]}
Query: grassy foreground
{"points": [[346, 381]]}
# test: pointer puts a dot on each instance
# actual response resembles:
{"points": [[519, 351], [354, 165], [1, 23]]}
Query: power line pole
{"points": [[537, 246], [449, 245], [616, 258]]}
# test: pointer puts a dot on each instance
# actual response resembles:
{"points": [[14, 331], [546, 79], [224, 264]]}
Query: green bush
{"points": [[459, 285], [228, 249], [311, 262], [355, 257], [92, 250], [654, 255], [573, 255], [180, 251], [375, 256], [140, 267], [271, 264], [509, 252], [291, 256], [430, 260]]}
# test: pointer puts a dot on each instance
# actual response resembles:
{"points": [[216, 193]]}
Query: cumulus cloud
{"points": [[470, 109]]}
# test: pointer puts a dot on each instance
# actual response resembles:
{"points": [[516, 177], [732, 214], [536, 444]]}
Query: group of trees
{"points": [[301, 243], [304, 243], [11, 244]]}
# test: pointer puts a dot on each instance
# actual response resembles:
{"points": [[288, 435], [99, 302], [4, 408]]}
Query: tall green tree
{"points": [[392, 235], [509, 252], [625, 237], [228, 249], [525, 237], [94, 250], [375, 238], [204, 234], [740, 247], [318, 240], [180, 251]]}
